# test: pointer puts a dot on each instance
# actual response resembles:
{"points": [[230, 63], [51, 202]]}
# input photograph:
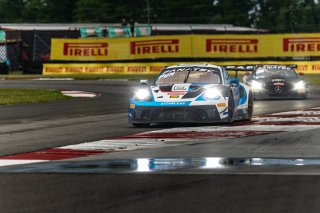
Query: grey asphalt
{"points": [[33, 127], [38, 126], [158, 193]]}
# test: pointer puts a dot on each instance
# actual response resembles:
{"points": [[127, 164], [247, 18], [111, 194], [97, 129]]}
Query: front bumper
{"points": [[264, 95], [287, 93], [190, 114]]}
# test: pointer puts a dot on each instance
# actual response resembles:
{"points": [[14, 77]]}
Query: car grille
{"points": [[277, 90], [178, 114]]}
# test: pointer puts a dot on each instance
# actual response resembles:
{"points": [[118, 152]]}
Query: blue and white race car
{"points": [[199, 93]]}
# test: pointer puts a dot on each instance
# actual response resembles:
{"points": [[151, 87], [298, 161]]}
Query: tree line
{"points": [[275, 15]]}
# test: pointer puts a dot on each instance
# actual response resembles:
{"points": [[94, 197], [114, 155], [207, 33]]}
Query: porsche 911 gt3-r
{"points": [[191, 94]]}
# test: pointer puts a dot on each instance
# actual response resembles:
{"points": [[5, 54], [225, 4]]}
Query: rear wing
{"points": [[277, 65], [240, 68], [252, 67]]}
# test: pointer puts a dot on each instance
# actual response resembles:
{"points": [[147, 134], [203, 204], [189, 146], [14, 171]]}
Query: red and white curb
{"points": [[292, 121], [79, 94]]}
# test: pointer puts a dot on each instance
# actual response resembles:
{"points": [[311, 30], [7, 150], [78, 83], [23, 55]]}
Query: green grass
{"points": [[82, 77], [313, 79], [22, 96]]}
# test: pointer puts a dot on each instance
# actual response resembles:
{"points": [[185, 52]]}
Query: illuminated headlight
{"points": [[300, 85], [255, 85], [142, 94], [212, 93]]}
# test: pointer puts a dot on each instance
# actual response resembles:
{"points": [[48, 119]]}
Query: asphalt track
{"points": [[33, 127]]}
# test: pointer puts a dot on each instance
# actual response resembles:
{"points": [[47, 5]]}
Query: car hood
{"points": [[179, 92], [278, 78]]}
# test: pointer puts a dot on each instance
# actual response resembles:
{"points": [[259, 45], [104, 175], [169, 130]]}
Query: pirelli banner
{"points": [[257, 46], [154, 68], [186, 46], [121, 48]]}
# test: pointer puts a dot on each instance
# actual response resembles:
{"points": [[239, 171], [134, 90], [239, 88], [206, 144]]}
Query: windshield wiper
{"points": [[185, 80]]}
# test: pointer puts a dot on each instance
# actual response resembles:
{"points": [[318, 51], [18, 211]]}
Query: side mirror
{"points": [[234, 81], [144, 82]]}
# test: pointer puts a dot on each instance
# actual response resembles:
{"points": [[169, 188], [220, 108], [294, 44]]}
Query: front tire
{"points": [[231, 107], [250, 108]]}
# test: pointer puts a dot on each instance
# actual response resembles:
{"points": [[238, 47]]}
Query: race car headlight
{"points": [[299, 85], [212, 93], [142, 94], [255, 85]]}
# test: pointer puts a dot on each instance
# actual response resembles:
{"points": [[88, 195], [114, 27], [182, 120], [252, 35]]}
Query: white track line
{"points": [[79, 94], [18, 162]]}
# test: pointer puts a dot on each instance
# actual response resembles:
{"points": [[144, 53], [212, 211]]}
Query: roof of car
{"points": [[195, 65]]}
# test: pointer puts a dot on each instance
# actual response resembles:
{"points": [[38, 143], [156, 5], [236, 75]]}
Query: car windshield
{"points": [[189, 75], [281, 71]]}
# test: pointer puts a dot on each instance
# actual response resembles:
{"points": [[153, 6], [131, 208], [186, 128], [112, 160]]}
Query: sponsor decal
{"points": [[115, 69], [53, 69], [278, 89], [232, 45], [154, 46], [94, 69], [315, 67], [177, 93], [173, 103], [137, 69], [74, 69], [221, 105], [302, 44], [156, 68], [279, 67], [180, 87], [85, 49], [301, 68]]}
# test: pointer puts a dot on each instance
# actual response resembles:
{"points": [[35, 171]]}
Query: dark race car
{"points": [[276, 81], [198, 93]]}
